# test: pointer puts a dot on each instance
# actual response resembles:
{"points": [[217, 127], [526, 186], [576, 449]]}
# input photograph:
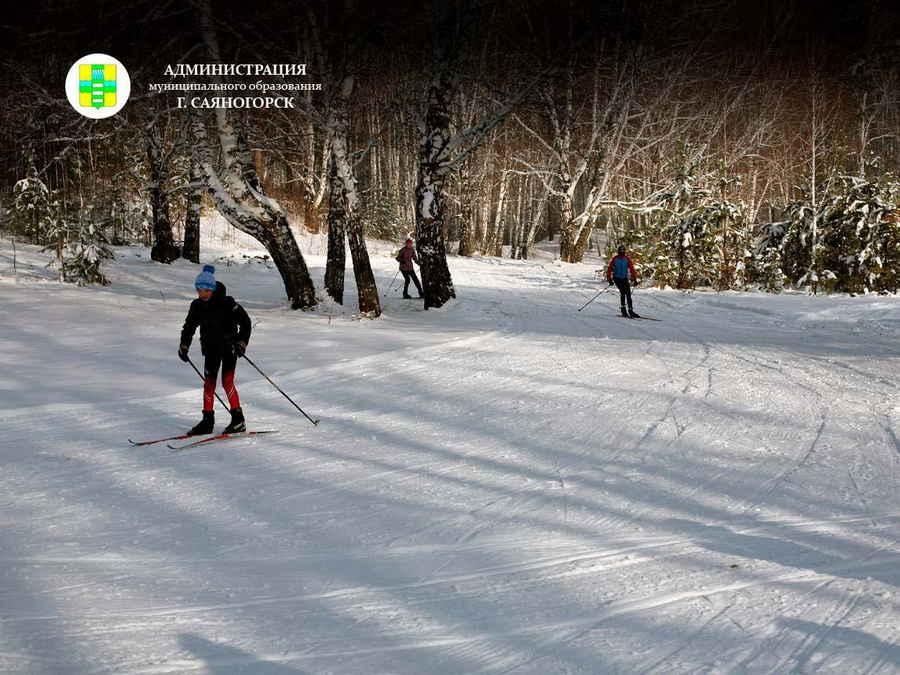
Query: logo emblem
{"points": [[98, 86]]}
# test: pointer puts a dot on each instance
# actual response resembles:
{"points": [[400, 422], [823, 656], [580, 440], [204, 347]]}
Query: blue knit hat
{"points": [[206, 280]]}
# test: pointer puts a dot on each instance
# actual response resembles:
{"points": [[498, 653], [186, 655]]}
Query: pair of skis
{"points": [[201, 441], [645, 318]]}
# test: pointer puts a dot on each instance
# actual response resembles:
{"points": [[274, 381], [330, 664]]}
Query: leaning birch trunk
{"points": [[583, 240], [536, 218], [367, 291], [337, 218], [238, 194], [250, 211]]}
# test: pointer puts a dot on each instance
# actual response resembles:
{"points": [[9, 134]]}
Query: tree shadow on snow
{"points": [[222, 659], [810, 555], [840, 639]]}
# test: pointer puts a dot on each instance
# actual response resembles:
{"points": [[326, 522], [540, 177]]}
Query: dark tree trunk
{"points": [[337, 219], [346, 202], [164, 249], [436, 280], [369, 303], [191, 248], [281, 245]]}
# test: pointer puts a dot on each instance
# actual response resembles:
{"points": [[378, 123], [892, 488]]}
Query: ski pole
{"points": [[247, 359], [391, 287], [204, 381], [594, 298]]}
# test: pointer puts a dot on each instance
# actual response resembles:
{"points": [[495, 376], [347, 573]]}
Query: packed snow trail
{"points": [[504, 485]]}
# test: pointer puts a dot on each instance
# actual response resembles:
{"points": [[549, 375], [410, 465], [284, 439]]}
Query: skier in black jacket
{"points": [[224, 334]]}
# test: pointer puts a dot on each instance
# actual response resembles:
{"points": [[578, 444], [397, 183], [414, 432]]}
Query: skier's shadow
{"points": [[221, 659]]}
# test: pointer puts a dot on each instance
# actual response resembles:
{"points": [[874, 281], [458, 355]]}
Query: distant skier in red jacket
{"points": [[406, 258], [618, 272]]}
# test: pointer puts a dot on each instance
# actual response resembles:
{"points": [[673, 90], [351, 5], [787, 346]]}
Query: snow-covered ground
{"points": [[503, 485]]}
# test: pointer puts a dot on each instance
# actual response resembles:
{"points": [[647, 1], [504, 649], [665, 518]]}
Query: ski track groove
{"points": [[816, 404], [891, 434], [769, 486], [859, 372], [859, 495]]}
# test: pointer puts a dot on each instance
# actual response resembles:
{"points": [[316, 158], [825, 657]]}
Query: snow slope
{"points": [[503, 485]]}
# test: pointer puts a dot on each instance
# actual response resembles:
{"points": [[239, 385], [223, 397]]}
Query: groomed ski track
{"points": [[502, 485]]}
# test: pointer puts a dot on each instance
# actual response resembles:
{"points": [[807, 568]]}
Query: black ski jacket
{"points": [[222, 321]]}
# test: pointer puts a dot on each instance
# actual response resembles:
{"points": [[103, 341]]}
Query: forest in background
{"points": [[728, 144]]}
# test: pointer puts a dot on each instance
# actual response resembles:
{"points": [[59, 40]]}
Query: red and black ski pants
{"points": [[211, 365]]}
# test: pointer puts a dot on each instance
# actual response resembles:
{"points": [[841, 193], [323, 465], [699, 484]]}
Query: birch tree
{"points": [[238, 193], [336, 257], [442, 151], [344, 211]]}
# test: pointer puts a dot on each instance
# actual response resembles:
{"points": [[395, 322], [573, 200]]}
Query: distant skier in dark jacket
{"points": [[618, 272], [224, 335], [406, 258]]}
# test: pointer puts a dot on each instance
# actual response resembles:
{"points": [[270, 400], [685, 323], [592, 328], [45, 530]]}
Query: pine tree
{"points": [[767, 265], [681, 252], [85, 255], [31, 207], [79, 242], [861, 234]]}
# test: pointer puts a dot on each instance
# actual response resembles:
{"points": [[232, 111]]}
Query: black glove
{"points": [[240, 348], [183, 353]]}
